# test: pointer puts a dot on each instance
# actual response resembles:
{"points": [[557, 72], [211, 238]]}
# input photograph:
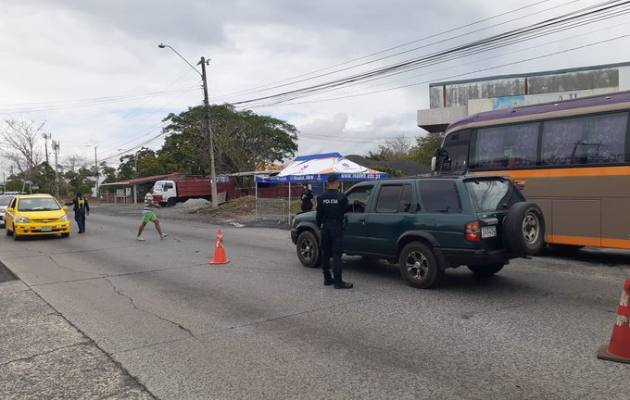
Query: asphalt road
{"points": [[263, 327]]}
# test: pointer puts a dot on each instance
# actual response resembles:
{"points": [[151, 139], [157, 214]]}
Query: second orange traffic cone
{"points": [[220, 256], [619, 348]]}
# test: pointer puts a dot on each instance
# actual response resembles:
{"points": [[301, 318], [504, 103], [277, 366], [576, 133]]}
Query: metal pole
{"points": [[55, 147], [46, 137], [96, 170], [256, 192], [209, 134], [289, 202]]}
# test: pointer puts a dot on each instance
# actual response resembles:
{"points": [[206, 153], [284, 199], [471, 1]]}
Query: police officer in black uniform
{"points": [[331, 208], [307, 199], [81, 208]]}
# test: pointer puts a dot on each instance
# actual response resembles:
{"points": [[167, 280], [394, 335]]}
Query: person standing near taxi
{"points": [[330, 217], [81, 208], [148, 215]]}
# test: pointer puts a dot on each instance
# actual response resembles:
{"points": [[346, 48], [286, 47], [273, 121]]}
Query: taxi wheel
{"points": [[65, 235]]}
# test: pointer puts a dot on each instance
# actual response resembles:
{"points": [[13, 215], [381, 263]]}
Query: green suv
{"points": [[428, 224]]}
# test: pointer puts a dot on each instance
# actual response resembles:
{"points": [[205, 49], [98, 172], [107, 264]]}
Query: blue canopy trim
{"points": [[322, 177]]}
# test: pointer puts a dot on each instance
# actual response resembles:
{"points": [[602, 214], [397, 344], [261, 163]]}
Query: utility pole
{"points": [[96, 170], [46, 137], [209, 134], [207, 127], [55, 147]]}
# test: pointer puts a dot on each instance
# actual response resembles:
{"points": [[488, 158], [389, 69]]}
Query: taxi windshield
{"points": [[38, 204]]}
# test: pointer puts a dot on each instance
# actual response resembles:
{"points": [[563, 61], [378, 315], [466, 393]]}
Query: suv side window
{"points": [[358, 198], [394, 199], [440, 196]]}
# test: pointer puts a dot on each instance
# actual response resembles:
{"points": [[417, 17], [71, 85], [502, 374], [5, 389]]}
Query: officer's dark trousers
{"points": [[79, 216], [332, 241]]}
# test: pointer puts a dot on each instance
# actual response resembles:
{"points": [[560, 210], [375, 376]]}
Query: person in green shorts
{"points": [[148, 215]]}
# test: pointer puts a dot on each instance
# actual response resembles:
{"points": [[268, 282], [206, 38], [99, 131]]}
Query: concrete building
{"points": [[451, 101]]}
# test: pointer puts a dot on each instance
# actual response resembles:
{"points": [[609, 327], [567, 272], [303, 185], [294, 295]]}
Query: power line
{"points": [[471, 72], [467, 54], [604, 10], [82, 103], [269, 86]]}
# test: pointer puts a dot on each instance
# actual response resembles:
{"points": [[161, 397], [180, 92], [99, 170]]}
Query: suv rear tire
{"points": [[524, 229], [484, 271], [307, 247], [419, 267]]}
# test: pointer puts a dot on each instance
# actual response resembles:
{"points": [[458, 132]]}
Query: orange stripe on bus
{"points": [[588, 241], [560, 172]]}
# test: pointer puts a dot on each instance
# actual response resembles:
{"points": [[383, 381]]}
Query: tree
{"points": [[147, 163], [241, 138], [20, 144], [108, 172], [80, 181], [425, 148], [75, 161], [393, 149]]}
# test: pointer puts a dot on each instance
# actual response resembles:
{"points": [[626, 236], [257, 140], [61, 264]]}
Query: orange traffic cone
{"points": [[220, 257], [619, 348]]}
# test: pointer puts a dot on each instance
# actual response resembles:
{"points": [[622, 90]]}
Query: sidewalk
{"points": [[42, 356]]}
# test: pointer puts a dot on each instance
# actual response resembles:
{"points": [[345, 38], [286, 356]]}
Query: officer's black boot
{"points": [[340, 284], [328, 279]]}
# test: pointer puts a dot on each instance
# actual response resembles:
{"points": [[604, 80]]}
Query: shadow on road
{"points": [[592, 256]]}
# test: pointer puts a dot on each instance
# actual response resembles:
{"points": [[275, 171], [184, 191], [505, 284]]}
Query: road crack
{"points": [[74, 270], [142, 310], [30, 358]]}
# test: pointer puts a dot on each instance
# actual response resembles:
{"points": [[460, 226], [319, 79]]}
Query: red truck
{"points": [[171, 191]]}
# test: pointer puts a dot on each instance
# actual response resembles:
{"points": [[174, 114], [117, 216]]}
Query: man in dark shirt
{"points": [[331, 208], [81, 208], [307, 199]]}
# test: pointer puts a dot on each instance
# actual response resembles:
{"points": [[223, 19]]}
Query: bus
{"points": [[571, 157]]}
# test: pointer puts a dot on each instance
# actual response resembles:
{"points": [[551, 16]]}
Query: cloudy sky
{"points": [[92, 69]]}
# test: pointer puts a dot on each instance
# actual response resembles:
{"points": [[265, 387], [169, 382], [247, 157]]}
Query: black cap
{"points": [[333, 178]]}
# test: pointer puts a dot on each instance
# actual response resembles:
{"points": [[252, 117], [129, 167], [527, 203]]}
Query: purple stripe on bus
{"points": [[613, 98]]}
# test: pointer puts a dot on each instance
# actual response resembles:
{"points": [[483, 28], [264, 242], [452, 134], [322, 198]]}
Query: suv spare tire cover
{"points": [[513, 236]]}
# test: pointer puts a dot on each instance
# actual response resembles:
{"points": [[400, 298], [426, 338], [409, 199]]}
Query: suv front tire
{"points": [[307, 247], [419, 267]]}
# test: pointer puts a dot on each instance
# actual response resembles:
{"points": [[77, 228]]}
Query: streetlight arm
{"points": [[162, 46]]}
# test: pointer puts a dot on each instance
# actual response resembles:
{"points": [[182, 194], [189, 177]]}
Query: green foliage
{"points": [[108, 172], [241, 140], [393, 173], [425, 148], [80, 181]]}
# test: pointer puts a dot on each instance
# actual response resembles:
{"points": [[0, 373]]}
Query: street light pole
{"points": [[209, 134], [207, 128]]}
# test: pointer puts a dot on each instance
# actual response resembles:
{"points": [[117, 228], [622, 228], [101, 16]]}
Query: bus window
{"points": [[508, 146], [456, 145], [599, 139]]}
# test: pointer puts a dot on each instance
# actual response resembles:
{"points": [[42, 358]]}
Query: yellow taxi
{"points": [[35, 215]]}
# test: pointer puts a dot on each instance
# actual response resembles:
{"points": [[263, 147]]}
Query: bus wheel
{"points": [[524, 229]]}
